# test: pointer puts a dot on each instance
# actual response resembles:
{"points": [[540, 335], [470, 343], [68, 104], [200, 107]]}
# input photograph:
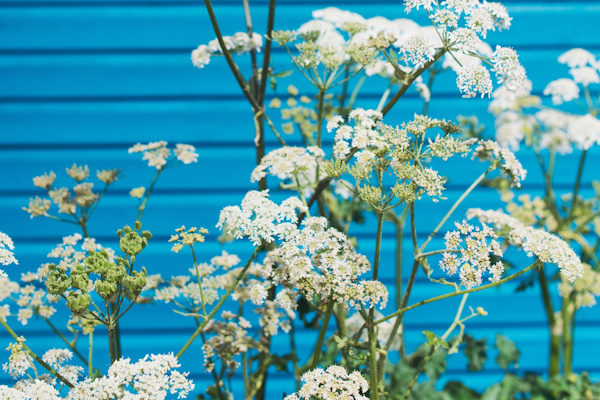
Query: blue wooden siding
{"points": [[80, 81]]}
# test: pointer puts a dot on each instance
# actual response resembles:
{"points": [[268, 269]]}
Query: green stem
{"points": [[199, 281], [321, 339], [410, 80], [320, 115], [577, 183], [453, 208], [554, 364], [218, 305], [458, 293], [567, 337], [64, 339], [142, 206], [35, 356], [374, 384], [91, 354]]}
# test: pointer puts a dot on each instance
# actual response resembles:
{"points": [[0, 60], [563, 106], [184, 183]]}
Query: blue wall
{"points": [[81, 81]]}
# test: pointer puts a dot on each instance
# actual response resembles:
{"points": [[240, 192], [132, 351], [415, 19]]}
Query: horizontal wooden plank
{"points": [[48, 76], [192, 180], [181, 26]]}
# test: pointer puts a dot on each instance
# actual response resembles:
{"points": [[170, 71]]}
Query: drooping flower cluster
{"points": [[334, 383], [546, 247], [157, 153], [470, 250], [239, 43], [502, 158]]}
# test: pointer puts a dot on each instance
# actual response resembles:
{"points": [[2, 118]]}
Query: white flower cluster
{"points": [[469, 253], [289, 163], [334, 383], [548, 248], [259, 218], [7, 256], [321, 263], [503, 158], [554, 129], [368, 135], [153, 377], [584, 290], [239, 43], [157, 153]]}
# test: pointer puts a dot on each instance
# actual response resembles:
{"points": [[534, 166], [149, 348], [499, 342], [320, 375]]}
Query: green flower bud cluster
{"points": [[100, 274]]}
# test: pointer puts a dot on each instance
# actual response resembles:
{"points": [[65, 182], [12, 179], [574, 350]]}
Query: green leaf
{"points": [[507, 352], [457, 390], [475, 351]]}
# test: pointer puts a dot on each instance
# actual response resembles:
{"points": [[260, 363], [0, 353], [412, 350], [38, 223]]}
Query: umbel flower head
{"points": [[157, 154], [334, 383], [546, 247], [7, 247], [470, 250]]}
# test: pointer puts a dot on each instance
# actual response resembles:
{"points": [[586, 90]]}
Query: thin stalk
{"points": [[567, 337], [321, 339], [111, 344], [147, 194], [90, 354], [35, 356], [453, 208], [577, 183], [218, 305], [458, 293], [199, 281], [554, 364], [232, 65], [267, 52], [410, 80], [374, 383], [64, 339], [320, 114]]}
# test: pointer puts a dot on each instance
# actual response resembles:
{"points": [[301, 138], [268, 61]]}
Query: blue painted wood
{"points": [[83, 80]]}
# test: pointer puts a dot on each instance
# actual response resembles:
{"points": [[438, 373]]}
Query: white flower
{"points": [[584, 131], [508, 69], [290, 163], [201, 56], [417, 50], [577, 57], [7, 256], [259, 218], [548, 248], [472, 247], [474, 80], [337, 17], [562, 90], [335, 383], [426, 4], [510, 129], [186, 153], [585, 75], [504, 158]]}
